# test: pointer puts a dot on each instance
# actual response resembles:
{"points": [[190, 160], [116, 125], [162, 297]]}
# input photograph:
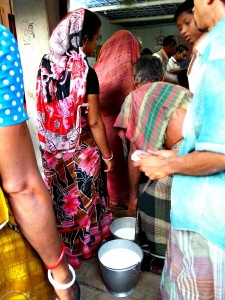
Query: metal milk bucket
{"points": [[120, 281]]}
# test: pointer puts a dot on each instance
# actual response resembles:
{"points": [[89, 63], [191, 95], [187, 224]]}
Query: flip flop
{"points": [[156, 265], [151, 263]]}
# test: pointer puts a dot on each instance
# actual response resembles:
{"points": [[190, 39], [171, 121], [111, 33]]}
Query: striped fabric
{"points": [[194, 268], [154, 203], [155, 103], [154, 214]]}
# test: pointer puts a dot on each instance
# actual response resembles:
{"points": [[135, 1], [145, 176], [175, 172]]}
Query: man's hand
{"points": [[154, 166], [163, 153]]}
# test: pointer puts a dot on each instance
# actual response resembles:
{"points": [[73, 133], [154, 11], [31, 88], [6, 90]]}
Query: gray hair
{"points": [[148, 68]]}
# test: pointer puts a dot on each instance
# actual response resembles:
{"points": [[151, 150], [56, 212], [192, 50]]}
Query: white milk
{"points": [[120, 258], [125, 233]]}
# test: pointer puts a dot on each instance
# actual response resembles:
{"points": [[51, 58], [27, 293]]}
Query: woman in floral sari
{"points": [[72, 135]]}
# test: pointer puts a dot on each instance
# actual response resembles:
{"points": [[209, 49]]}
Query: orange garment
{"points": [[115, 73]]}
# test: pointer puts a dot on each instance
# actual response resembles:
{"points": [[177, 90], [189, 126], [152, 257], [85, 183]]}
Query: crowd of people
{"points": [[89, 123]]}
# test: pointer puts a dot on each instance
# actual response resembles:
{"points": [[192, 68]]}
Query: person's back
{"points": [[72, 135], [151, 120], [115, 73]]}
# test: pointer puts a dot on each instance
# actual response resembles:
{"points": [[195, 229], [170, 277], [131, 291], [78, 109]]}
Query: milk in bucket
{"points": [[120, 258]]}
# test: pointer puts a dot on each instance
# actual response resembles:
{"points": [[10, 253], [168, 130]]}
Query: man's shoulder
{"points": [[157, 54], [173, 59], [210, 47], [172, 64]]}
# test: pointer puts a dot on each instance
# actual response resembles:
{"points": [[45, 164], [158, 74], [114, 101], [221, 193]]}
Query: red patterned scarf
{"points": [[61, 86]]}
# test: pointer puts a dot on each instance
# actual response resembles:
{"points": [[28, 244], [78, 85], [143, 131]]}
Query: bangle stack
{"points": [[58, 261], [107, 158], [62, 286]]}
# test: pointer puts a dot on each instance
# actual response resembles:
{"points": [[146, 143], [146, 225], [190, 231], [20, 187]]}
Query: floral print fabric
{"points": [[70, 157], [79, 201], [61, 86]]}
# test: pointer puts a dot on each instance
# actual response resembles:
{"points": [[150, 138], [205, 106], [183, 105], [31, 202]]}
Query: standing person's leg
{"points": [[194, 268], [154, 218], [117, 180]]}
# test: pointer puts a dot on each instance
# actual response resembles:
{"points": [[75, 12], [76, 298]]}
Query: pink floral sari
{"points": [[79, 199], [71, 160]]}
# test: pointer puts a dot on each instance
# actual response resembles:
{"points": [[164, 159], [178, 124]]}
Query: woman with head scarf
{"points": [[72, 135], [115, 73]]}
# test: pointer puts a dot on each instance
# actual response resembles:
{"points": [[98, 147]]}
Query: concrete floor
{"points": [[93, 287]]}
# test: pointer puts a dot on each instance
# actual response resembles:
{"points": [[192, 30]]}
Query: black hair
{"points": [[146, 51], [168, 40], [148, 68], [181, 48], [91, 24], [185, 6]]}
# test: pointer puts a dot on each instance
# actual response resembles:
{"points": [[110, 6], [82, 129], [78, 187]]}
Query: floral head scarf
{"points": [[61, 86]]}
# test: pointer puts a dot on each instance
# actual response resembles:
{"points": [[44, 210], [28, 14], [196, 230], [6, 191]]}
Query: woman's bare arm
{"points": [[98, 128], [29, 199]]}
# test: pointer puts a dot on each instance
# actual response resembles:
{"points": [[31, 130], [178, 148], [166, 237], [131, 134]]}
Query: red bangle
{"points": [[59, 260], [107, 157]]}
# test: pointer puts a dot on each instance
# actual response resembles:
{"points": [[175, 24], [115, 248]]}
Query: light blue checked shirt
{"points": [[198, 203]]}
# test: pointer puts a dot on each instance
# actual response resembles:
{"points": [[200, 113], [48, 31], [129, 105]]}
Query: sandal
{"points": [[156, 265], [151, 263]]}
